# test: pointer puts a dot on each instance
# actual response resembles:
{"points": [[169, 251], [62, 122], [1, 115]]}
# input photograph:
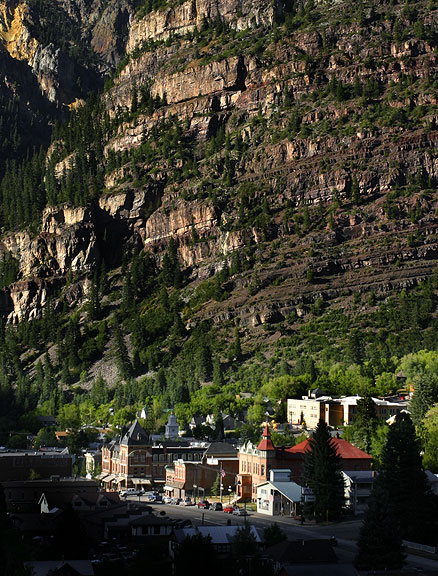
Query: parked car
{"points": [[175, 500], [167, 499], [229, 508], [216, 506], [240, 511], [131, 492], [186, 502], [155, 497], [204, 504]]}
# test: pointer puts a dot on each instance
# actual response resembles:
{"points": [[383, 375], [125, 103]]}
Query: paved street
{"points": [[346, 532]]}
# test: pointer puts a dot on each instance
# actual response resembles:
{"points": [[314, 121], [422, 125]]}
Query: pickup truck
{"points": [[131, 492]]}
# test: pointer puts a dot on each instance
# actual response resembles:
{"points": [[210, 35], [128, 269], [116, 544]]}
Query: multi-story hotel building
{"points": [[136, 461], [335, 411]]}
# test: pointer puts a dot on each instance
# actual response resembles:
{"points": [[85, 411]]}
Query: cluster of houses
{"points": [[248, 473], [39, 487]]}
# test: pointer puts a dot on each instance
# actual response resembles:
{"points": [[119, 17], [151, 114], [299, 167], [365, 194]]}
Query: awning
{"points": [[140, 481], [110, 478], [169, 488], [101, 476]]}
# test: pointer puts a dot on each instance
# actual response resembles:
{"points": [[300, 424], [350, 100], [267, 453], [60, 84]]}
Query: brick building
{"points": [[352, 458], [255, 462], [136, 461], [23, 464], [195, 479]]}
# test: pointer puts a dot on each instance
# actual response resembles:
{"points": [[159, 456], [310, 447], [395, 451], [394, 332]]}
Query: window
{"points": [[263, 469], [156, 530]]}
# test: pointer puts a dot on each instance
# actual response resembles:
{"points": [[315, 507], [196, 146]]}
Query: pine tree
{"points": [[237, 345], [120, 352], [218, 378], [93, 306], [403, 478], [380, 541], [322, 473], [203, 361]]}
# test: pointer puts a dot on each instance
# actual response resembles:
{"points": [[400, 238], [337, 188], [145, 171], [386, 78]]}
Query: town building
{"points": [[25, 495], [255, 462], [335, 412], [93, 461], [136, 461], [195, 479], [279, 496], [25, 464], [150, 526], [358, 486], [352, 458]]}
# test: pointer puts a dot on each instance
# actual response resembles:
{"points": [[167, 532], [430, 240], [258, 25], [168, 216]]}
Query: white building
{"points": [[335, 411], [279, 495], [358, 486]]}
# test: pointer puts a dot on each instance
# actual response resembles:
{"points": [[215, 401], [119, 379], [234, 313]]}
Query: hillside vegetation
{"points": [[248, 205]]}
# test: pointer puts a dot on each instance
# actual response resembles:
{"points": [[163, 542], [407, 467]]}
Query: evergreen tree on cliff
{"points": [[322, 473]]}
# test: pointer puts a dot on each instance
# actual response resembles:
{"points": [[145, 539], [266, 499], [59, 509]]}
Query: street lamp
{"points": [[229, 494], [195, 488]]}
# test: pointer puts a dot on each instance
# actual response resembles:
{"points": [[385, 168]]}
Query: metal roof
{"points": [[289, 490]]}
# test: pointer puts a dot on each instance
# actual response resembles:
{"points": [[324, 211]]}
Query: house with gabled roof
{"points": [[98, 501], [279, 496], [152, 526], [61, 568], [222, 538]]}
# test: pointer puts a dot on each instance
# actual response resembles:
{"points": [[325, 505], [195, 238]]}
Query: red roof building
{"points": [[256, 462]]}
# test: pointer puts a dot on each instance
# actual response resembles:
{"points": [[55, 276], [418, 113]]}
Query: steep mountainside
{"points": [[271, 166]]}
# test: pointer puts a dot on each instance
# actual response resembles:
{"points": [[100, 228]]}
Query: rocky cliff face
{"points": [[24, 33], [183, 19], [324, 163]]}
